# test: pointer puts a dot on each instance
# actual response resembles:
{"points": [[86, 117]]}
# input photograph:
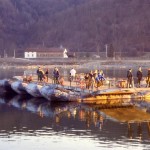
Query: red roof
{"points": [[58, 50]]}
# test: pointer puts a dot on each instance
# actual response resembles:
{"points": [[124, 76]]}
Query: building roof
{"points": [[53, 49]]}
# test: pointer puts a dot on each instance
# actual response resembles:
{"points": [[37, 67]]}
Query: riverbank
{"points": [[73, 62], [78, 64]]}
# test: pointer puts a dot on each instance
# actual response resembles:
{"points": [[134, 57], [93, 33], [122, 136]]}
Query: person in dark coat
{"points": [[87, 80], [46, 74], [38, 73], [129, 79], [139, 76], [148, 78], [41, 75], [56, 76]]}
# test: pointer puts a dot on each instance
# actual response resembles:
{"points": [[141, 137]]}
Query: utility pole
{"points": [[43, 43], [14, 53], [106, 50], [4, 53]]}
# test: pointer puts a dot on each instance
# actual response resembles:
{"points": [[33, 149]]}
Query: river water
{"points": [[36, 124]]}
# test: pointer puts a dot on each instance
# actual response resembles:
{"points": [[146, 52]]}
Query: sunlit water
{"points": [[36, 124]]}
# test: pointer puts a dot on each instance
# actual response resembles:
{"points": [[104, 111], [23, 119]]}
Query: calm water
{"points": [[36, 124]]}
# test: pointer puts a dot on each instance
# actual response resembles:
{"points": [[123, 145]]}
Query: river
{"points": [[36, 124]]}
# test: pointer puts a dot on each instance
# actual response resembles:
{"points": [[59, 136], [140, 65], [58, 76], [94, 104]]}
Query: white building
{"points": [[43, 53], [30, 54]]}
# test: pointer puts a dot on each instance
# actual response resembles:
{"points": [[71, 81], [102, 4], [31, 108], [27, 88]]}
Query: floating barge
{"points": [[56, 92]]}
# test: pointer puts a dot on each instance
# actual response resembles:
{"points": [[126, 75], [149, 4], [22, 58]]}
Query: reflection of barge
{"points": [[129, 114], [69, 118]]}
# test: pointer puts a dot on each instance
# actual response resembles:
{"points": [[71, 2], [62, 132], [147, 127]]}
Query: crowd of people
{"points": [[139, 75], [44, 75], [92, 79]]}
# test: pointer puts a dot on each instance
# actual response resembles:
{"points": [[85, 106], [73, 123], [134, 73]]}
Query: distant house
{"points": [[44, 53]]}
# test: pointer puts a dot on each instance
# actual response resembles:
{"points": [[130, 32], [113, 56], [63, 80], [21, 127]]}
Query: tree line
{"points": [[78, 25]]}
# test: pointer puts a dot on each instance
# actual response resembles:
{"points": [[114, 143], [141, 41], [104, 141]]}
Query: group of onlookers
{"points": [[91, 79], [42, 75], [94, 79], [139, 75]]}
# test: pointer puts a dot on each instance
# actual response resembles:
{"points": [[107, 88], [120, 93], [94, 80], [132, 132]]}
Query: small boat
{"points": [[19, 87], [34, 89]]}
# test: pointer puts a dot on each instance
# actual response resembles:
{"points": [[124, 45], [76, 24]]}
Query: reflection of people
{"points": [[100, 122], [148, 126], [57, 119], [139, 130], [130, 131]]}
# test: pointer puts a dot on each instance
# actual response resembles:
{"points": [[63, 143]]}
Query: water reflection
{"points": [[31, 116]]}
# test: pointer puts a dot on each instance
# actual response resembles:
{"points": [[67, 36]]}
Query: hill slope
{"points": [[81, 25]]}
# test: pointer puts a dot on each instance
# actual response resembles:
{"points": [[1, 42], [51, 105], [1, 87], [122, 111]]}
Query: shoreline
{"points": [[71, 62]]}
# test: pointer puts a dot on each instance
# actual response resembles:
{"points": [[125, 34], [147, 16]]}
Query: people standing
{"points": [[56, 75], [87, 78], [72, 74], [101, 77], [91, 80], [139, 76], [148, 79], [38, 73], [130, 79], [41, 74], [46, 74]]}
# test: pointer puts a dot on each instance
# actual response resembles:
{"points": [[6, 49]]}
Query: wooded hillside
{"points": [[79, 25]]}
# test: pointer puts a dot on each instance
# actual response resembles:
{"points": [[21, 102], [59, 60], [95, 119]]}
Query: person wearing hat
{"points": [[148, 78]]}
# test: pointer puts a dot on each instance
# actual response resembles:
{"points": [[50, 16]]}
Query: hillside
{"points": [[79, 25]]}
